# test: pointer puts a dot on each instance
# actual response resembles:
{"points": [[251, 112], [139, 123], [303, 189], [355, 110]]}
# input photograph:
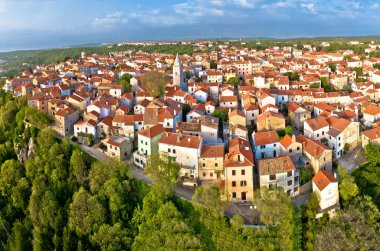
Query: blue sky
{"points": [[27, 24]]}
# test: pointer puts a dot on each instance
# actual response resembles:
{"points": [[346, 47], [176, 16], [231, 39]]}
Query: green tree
{"points": [[332, 67], [310, 212], [125, 81], [277, 210], [292, 76], [325, 84], [234, 81], [349, 230], [163, 170], [372, 153], [86, 213], [102, 171], [347, 187], [112, 237], [79, 163], [221, 114], [166, 231], [315, 85], [210, 197]]}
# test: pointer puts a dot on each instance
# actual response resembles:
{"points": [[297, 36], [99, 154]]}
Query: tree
{"points": [[349, 230], [310, 212], [80, 163], [372, 153], [154, 82], [102, 171], [185, 110], [221, 114], [359, 72], [125, 81], [234, 81], [210, 197], [292, 76], [112, 237], [163, 170], [347, 187], [377, 66], [332, 67], [86, 213], [325, 84], [367, 179], [289, 130], [277, 210], [315, 85], [213, 65], [166, 231]]}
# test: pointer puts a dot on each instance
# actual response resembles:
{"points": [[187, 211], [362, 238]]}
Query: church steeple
{"points": [[178, 78]]}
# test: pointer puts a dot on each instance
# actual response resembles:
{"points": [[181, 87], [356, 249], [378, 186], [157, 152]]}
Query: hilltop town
{"points": [[239, 119]]}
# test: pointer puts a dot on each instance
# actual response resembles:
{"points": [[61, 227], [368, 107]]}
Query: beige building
{"points": [[290, 147], [320, 156], [269, 121], [281, 172], [238, 169], [342, 132], [211, 163], [298, 115], [371, 136], [119, 147], [64, 119]]}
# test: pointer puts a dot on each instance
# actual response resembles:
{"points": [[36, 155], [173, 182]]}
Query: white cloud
{"points": [[109, 20], [309, 7], [245, 3]]}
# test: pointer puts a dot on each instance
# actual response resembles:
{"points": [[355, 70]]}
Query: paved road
{"points": [[352, 159]]}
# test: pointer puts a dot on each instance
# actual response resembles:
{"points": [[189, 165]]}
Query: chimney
{"points": [[293, 138], [335, 175], [175, 112]]}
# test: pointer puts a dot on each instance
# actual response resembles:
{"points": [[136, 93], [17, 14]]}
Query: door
{"points": [[243, 195]]}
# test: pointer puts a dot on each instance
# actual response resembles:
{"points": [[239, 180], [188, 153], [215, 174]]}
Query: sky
{"points": [[31, 24]]}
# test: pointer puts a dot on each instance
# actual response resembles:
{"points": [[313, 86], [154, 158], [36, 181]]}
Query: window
{"points": [[211, 174], [262, 147], [243, 172], [204, 174], [169, 150], [298, 148], [262, 155], [233, 172], [290, 150], [243, 183], [274, 145], [272, 177], [174, 151], [204, 165], [290, 182], [234, 195], [233, 183], [146, 143], [290, 174]]}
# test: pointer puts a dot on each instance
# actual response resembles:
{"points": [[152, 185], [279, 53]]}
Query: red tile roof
{"points": [[323, 178]]}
